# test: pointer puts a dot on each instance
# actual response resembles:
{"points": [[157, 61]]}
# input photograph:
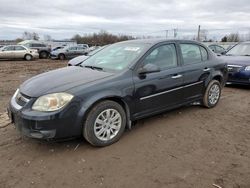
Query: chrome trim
{"points": [[168, 91], [206, 69], [177, 76], [13, 101], [236, 66], [21, 97]]}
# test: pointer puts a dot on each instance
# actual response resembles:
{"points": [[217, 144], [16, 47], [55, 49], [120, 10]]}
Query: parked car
{"points": [[68, 52], [238, 59], [57, 48], [18, 52], [122, 83], [219, 50], [78, 60], [43, 49]]}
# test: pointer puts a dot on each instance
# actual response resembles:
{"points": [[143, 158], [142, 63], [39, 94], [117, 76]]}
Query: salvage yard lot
{"points": [[187, 147]]}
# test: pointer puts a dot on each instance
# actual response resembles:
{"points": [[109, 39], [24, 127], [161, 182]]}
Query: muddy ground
{"points": [[186, 148]]}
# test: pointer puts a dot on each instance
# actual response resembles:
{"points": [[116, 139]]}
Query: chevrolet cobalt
{"points": [[122, 83]]}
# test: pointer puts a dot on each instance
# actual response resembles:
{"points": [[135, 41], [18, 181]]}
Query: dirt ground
{"points": [[186, 148]]}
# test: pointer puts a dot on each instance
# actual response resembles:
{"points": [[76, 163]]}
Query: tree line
{"points": [[104, 38]]}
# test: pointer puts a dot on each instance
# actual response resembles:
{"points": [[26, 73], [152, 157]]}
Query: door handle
{"points": [[206, 69], [176, 76]]}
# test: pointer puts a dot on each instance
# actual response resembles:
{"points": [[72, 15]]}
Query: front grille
{"points": [[234, 68], [22, 99]]}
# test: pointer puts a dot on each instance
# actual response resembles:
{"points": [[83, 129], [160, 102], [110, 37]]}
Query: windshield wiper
{"points": [[92, 67], [247, 55]]}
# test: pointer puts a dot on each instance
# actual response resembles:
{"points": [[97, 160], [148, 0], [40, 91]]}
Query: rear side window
{"points": [[191, 53], [19, 48], [81, 48], [72, 48], [204, 54]]}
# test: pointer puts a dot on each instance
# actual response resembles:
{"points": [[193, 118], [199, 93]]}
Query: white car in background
{"points": [[18, 52]]}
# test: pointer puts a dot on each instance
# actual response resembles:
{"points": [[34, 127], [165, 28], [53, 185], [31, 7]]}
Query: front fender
{"points": [[88, 102]]}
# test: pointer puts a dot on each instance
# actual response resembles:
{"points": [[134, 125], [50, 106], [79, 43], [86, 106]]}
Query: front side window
{"points": [[164, 57], [219, 49], [191, 53], [116, 57]]}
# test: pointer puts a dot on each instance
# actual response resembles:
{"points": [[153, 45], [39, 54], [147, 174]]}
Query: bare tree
{"points": [[233, 37], [47, 37], [30, 36]]}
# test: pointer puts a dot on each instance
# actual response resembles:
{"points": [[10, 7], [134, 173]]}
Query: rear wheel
{"points": [[28, 57], [61, 56], [104, 124], [212, 94]]}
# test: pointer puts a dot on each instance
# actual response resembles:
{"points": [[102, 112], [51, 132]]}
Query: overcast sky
{"points": [[63, 18]]}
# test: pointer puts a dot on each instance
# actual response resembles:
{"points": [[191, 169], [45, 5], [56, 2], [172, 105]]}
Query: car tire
{"points": [[61, 56], [105, 123], [43, 55], [28, 57], [212, 94]]}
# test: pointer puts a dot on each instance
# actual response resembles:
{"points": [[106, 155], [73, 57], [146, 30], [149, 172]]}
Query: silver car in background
{"points": [[18, 52]]}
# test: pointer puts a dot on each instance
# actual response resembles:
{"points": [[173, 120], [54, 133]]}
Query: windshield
{"points": [[240, 50], [115, 57]]}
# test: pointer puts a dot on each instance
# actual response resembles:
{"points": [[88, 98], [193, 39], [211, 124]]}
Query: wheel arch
{"points": [[27, 54], [118, 99]]}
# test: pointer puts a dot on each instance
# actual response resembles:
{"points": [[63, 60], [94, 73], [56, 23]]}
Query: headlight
{"points": [[247, 68], [52, 102]]}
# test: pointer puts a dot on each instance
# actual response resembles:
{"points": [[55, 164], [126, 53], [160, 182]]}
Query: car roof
{"points": [[156, 41]]}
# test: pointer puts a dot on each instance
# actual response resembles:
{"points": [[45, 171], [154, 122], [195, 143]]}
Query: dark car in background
{"points": [[43, 49], [69, 52], [120, 84], [238, 60]]}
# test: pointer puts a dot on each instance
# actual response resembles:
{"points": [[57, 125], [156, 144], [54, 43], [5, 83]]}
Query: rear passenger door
{"points": [[71, 52], [196, 69], [19, 52], [81, 51]]}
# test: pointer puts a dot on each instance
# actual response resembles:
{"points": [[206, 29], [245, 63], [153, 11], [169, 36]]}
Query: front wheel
{"points": [[105, 123], [28, 57], [212, 94]]}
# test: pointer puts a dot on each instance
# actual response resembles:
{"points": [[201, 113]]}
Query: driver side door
{"points": [[155, 92]]}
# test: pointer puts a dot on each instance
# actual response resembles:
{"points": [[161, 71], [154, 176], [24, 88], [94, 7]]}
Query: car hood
{"points": [[237, 60], [77, 60], [60, 80]]}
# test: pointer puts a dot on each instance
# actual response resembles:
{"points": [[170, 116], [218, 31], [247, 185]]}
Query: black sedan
{"points": [[238, 60], [122, 83]]}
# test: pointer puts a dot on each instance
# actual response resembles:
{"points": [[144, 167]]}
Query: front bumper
{"points": [[53, 56], [45, 125], [35, 55], [241, 77]]}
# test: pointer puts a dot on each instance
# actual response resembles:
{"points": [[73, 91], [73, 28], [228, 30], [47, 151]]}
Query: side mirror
{"points": [[148, 68]]}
